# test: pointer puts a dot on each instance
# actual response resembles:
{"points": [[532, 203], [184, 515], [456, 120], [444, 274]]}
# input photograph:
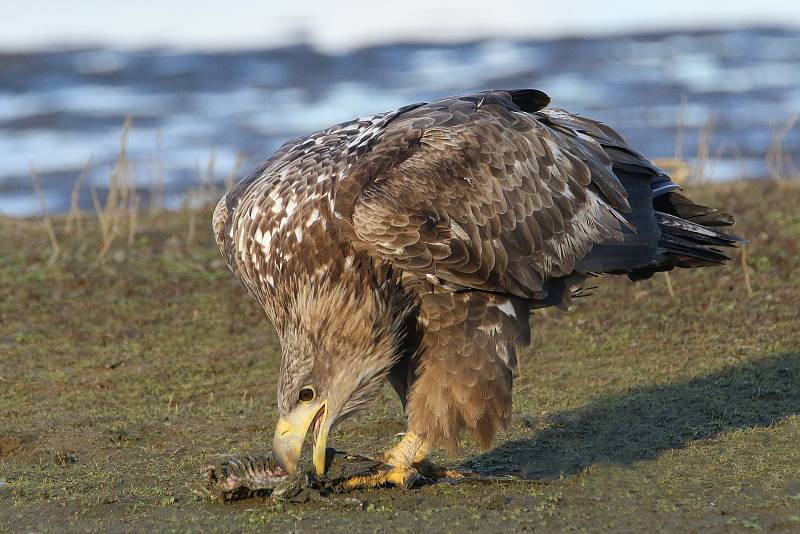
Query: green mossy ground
{"points": [[120, 382]]}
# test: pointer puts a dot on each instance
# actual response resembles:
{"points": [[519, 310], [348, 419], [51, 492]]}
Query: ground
{"points": [[121, 379]]}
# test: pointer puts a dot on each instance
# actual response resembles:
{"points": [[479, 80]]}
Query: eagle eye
{"points": [[307, 394]]}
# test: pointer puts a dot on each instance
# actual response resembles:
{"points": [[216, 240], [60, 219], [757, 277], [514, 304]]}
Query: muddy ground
{"points": [[120, 381]]}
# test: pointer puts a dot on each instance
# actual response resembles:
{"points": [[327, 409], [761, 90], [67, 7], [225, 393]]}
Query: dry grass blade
{"points": [[703, 151], [204, 193], [742, 163], [190, 201], [133, 218], [157, 187], [101, 219], [48, 224], [670, 289], [210, 188], [681, 130], [780, 164], [74, 216], [746, 269], [121, 203]]}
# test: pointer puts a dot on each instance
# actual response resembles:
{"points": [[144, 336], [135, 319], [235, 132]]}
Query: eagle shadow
{"points": [[643, 423]]}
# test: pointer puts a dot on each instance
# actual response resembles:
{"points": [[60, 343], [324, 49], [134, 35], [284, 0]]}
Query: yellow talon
{"points": [[406, 464], [395, 476]]}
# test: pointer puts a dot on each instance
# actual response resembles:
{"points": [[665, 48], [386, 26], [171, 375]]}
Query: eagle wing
{"points": [[484, 191]]}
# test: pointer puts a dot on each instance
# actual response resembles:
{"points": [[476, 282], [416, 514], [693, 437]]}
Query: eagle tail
{"points": [[689, 236]]}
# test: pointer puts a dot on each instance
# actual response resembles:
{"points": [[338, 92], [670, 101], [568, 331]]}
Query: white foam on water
{"points": [[48, 150], [100, 61], [65, 107]]}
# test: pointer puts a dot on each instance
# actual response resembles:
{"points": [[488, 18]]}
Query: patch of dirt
{"points": [[9, 444], [636, 409]]}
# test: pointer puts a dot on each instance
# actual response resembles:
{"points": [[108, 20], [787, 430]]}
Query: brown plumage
{"points": [[412, 245]]}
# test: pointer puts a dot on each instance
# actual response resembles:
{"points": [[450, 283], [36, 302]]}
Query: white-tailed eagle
{"points": [[411, 247]]}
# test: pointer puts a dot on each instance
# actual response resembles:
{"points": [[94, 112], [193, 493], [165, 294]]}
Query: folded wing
{"points": [[483, 192]]}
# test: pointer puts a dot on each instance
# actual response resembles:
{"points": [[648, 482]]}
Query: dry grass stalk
{"points": [[121, 203], [74, 216], [133, 202], [681, 130], [210, 188], [670, 289], [705, 159], [157, 183], [746, 268], [48, 224], [101, 218], [742, 164], [133, 218], [205, 192], [780, 165], [190, 201], [703, 150]]}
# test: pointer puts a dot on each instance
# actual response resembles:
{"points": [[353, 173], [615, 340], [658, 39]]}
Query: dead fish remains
{"points": [[244, 476]]}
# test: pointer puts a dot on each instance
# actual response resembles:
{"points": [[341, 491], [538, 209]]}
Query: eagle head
{"points": [[340, 335]]}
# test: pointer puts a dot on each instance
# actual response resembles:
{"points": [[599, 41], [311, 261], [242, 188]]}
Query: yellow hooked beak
{"points": [[290, 433]]}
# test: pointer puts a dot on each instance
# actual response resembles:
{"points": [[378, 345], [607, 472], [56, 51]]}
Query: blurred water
{"points": [[60, 108]]}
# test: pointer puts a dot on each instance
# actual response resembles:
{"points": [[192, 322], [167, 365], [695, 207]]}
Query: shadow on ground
{"points": [[646, 422]]}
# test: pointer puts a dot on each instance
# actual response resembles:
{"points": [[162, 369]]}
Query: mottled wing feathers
{"points": [[478, 192], [258, 221]]}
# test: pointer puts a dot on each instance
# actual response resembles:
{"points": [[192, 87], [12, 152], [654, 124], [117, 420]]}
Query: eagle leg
{"points": [[419, 474], [398, 469], [411, 449], [406, 466], [400, 477]]}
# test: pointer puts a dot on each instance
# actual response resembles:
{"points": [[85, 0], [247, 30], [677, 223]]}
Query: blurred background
{"points": [[182, 92]]}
